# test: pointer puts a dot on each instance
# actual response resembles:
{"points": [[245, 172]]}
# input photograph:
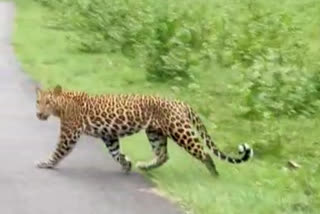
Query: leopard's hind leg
{"points": [[158, 143], [186, 138]]}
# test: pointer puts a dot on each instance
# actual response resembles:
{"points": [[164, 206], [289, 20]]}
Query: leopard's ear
{"points": [[57, 90], [38, 91]]}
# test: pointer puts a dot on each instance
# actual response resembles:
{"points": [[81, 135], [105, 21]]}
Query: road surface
{"points": [[88, 181]]}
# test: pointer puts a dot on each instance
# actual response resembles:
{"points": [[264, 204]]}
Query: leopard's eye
{"points": [[38, 101]]}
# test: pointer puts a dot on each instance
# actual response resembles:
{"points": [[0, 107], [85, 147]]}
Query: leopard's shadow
{"points": [[89, 175]]}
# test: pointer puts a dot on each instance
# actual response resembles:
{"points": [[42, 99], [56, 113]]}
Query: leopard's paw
{"points": [[44, 164], [142, 165], [126, 167], [125, 163]]}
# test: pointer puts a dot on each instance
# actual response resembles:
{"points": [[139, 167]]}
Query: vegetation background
{"points": [[251, 68]]}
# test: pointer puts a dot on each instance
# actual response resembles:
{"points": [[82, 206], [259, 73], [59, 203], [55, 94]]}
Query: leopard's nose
{"points": [[39, 115]]}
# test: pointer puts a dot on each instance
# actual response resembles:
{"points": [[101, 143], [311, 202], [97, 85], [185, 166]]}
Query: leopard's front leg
{"points": [[69, 135], [113, 145]]}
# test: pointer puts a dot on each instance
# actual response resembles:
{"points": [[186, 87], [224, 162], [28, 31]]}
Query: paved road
{"points": [[88, 181]]}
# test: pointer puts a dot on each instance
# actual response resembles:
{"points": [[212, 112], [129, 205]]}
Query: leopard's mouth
{"points": [[42, 116]]}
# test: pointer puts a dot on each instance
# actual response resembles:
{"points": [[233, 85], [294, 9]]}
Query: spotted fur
{"points": [[110, 117]]}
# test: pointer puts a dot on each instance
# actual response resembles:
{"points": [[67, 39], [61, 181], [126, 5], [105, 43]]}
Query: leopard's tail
{"points": [[244, 149]]}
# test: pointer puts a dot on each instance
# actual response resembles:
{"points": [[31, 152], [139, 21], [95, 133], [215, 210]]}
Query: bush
{"points": [[277, 90], [166, 36], [269, 50], [179, 41]]}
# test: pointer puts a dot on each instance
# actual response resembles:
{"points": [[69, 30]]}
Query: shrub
{"points": [[278, 90], [269, 50], [166, 36]]}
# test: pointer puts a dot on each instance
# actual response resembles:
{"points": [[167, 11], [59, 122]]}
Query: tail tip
{"points": [[245, 148]]}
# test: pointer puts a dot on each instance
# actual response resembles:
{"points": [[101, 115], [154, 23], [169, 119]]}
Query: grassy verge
{"points": [[262, 186]]}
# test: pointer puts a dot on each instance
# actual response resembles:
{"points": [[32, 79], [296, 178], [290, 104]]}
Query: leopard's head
{"points": [[46, 102]]}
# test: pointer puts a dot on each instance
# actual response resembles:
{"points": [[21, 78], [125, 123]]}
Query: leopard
{"points": [[110, 117]]}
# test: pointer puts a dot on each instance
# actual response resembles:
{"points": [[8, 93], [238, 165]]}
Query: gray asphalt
{"points": [[87, 181]]}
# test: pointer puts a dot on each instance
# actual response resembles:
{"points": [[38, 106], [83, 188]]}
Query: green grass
{"points": [[261, 186]]}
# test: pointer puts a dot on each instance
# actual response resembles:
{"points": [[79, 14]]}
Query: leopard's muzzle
{"points": [[42, 116]]}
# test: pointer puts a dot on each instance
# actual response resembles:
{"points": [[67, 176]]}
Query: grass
{"points": [[261, 186]]}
